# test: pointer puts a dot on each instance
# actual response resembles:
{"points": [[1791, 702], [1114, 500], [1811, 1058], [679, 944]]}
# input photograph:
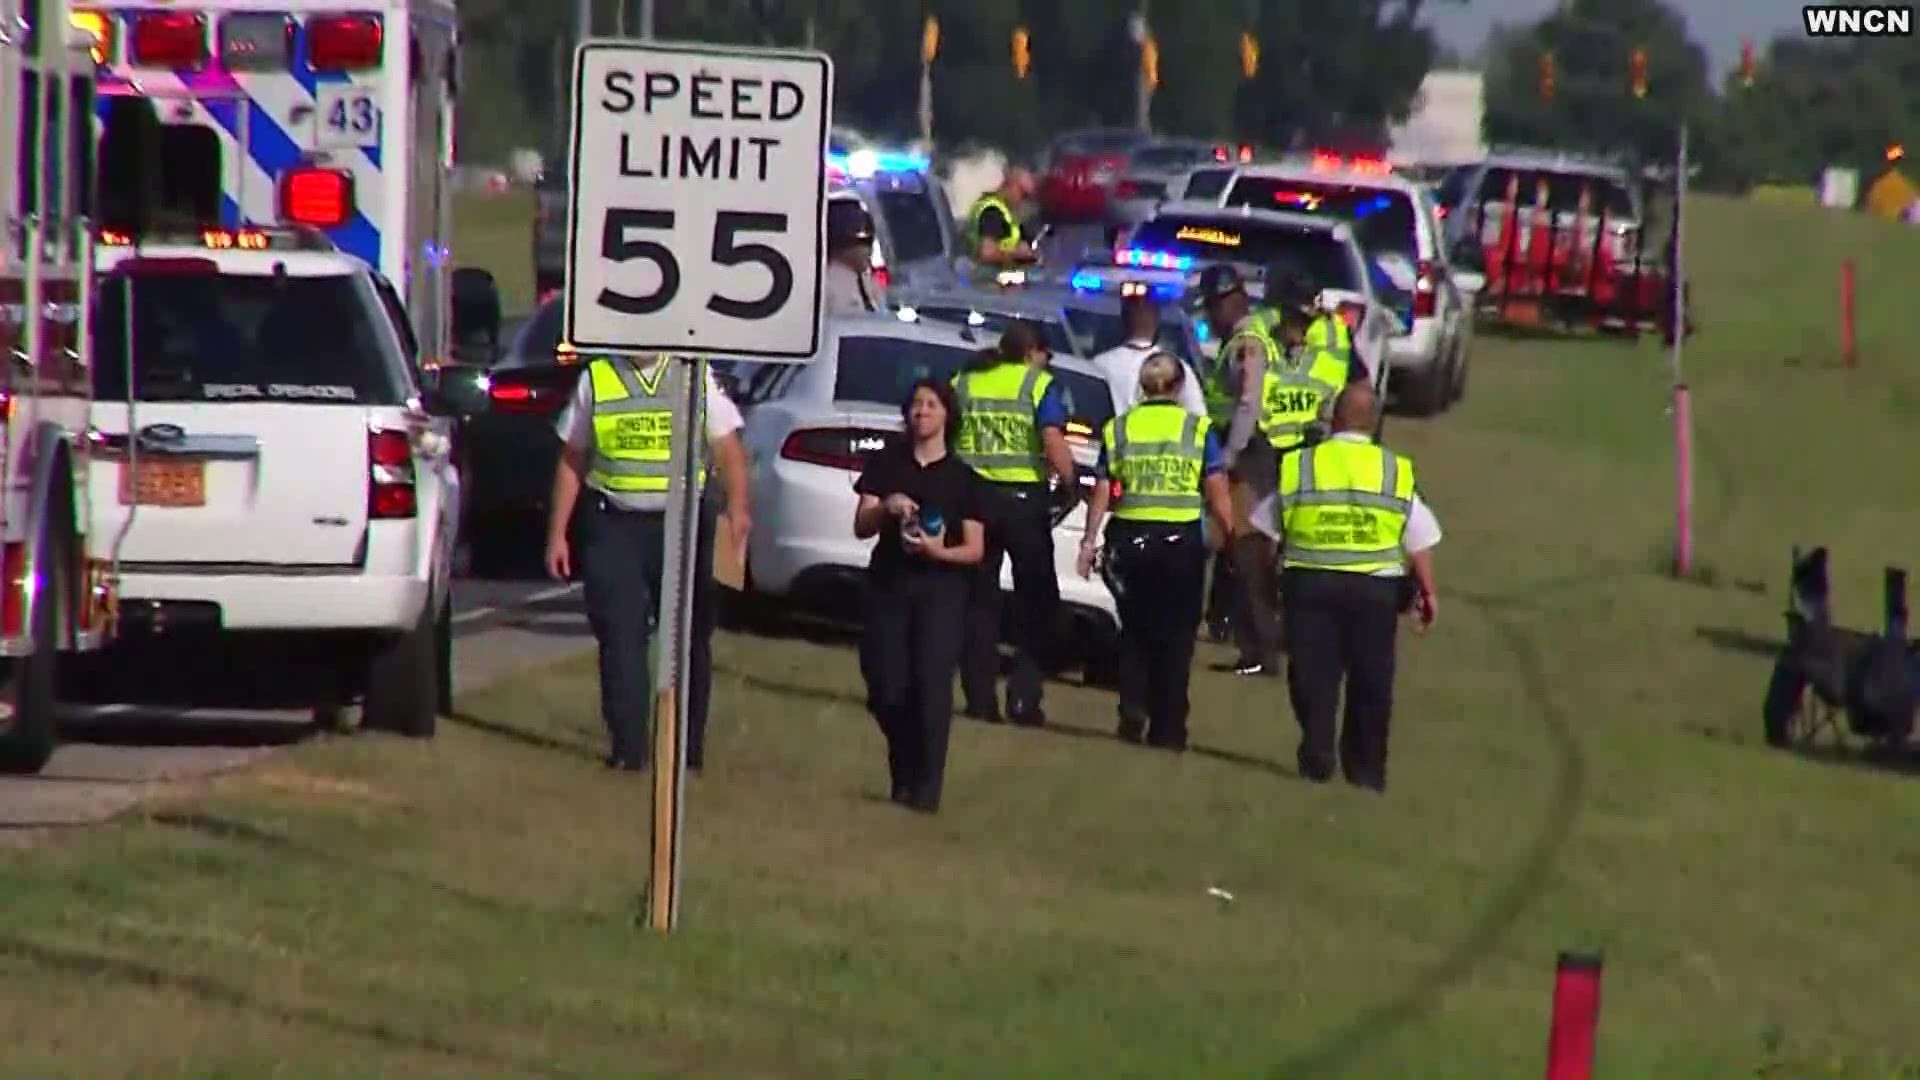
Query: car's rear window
{"points": [[234, 338], [1382, 218], [1102, 330], [1563, 190], [991, 324], [1316, 253], [913, 225], [880, 370]]}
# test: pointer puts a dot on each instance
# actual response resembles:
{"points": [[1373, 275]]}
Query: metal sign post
{"points": [[1682, 398], [696, 229]]}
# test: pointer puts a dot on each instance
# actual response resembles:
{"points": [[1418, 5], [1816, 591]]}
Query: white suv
{"points": [[1395, 221], [280, 479]]}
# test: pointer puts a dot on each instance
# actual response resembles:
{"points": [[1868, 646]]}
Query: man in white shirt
{"points": [[1120, 365], [616, 444]]}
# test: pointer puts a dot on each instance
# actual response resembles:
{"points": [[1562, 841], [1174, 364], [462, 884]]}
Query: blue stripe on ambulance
{"points": [[276, 153]]}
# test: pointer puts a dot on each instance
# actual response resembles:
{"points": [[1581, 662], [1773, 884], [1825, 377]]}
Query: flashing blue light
{"points": [[1153, 260], [1087, 281], [864, 164]]}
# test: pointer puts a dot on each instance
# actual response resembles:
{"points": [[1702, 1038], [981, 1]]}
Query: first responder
{"points": [[1013, 419], [1165, 467], [617, 442], [1352, 524], [849, 277], [1121, 365], [993, 231], [1267, 388]]}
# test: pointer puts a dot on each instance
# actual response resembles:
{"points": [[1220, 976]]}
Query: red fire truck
{"points": [[56, 580]]}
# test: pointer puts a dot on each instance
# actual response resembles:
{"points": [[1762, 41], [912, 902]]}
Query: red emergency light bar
{"points": [[1327, 161], [344, 42], [175, 40], [212, 239]]}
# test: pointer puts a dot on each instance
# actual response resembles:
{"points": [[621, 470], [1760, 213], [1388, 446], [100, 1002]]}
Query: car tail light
{"points": [[390, 488], [1126, 189], [1351, 314], [344, 42], [881, 277], [1423, 291], [522, 399], [176, 40], [98, 26], [1246, 153], [836, 448], [1220, 153], [322, 198]]}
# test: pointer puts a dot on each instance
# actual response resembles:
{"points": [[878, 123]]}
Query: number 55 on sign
{"points": [[698, 215]]}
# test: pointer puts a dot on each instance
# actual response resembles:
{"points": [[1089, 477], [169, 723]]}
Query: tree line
{"points": [[1323, 72]]}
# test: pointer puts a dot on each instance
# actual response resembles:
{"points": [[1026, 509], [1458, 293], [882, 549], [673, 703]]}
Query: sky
{"points": [[1718, 25]]}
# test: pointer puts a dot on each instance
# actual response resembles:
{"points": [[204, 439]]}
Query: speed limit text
{"points": [[663, 153]]}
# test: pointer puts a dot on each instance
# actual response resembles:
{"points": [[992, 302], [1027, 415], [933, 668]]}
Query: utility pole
{"points": [[1142, 36]]}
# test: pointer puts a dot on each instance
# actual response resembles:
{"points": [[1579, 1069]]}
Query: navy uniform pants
{"points": [[1156, 572], [908, 653], [1019, 528], [620, 561], [1341, 627]]}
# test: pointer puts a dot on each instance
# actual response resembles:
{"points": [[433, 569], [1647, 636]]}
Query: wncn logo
{"points": [[1858, 20]]}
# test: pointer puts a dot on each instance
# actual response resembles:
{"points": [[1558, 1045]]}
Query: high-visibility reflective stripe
{"points": [[1174, 507], [1389, 474], [1311, 557], [1307, 492]]}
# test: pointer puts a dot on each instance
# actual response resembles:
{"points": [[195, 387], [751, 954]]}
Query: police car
{"points": [[1397, 225], [809, 428], [1166, 253], [914, 233], [279, 482]]}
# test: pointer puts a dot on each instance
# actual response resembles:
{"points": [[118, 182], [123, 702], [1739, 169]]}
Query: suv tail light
{"points": [[390, 477], [1423, 291], [322, 198], [836, 448], [344, 42], [881, 277], [1350, 314], [176, 40]]}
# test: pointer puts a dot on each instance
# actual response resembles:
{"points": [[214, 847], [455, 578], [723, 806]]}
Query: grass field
{"points": [[1577, 764]]}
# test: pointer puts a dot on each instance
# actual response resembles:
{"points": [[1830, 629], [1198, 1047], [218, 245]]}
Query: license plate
{"points": [[164, 483]]}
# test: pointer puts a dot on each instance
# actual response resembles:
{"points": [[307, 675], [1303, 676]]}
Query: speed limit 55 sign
{"points": [[697, 221]]}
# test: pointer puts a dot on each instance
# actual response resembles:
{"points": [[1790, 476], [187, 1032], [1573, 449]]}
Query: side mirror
{"points": [[476, 309]]}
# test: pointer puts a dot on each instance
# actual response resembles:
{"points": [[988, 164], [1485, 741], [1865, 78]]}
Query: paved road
{"points": [[117, 757]]}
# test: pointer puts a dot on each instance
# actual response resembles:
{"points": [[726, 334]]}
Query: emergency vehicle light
{"points": [[344, 42], [864, 164], [1154, 260], [1325, 161], [256, 41], [213, 239], [98, 26], [176, 40], [318, 197]]}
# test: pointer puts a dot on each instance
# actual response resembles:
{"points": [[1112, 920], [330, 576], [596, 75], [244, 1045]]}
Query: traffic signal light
{"points": [[930, 40], [1249, 55], [1546, 76], [1746, 62], [1150, 62], [1022, 52], [1638, 64]]}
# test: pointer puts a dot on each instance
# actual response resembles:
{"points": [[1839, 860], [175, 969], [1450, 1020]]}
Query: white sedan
{"points": [[808, 427]]}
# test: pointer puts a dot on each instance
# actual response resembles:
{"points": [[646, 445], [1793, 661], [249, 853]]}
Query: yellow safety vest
{"points": [[1345, 507], [992, 201], [999, 437], [632, 431], [1291, 395], [1330, 332], [1156, 451]]}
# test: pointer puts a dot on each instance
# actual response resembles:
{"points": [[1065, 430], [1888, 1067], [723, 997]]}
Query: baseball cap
{"points": [[1220, 281], [1290, 289], [848, 223]]}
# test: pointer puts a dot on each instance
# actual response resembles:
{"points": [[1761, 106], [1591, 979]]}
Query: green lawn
{"points": [[496, 232], [1576, 765]]}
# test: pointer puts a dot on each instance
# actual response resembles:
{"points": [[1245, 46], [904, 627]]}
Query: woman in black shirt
{"points": [[924, 505]]}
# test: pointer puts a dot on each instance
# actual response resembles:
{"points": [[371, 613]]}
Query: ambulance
{"points": [[338, 117]]}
